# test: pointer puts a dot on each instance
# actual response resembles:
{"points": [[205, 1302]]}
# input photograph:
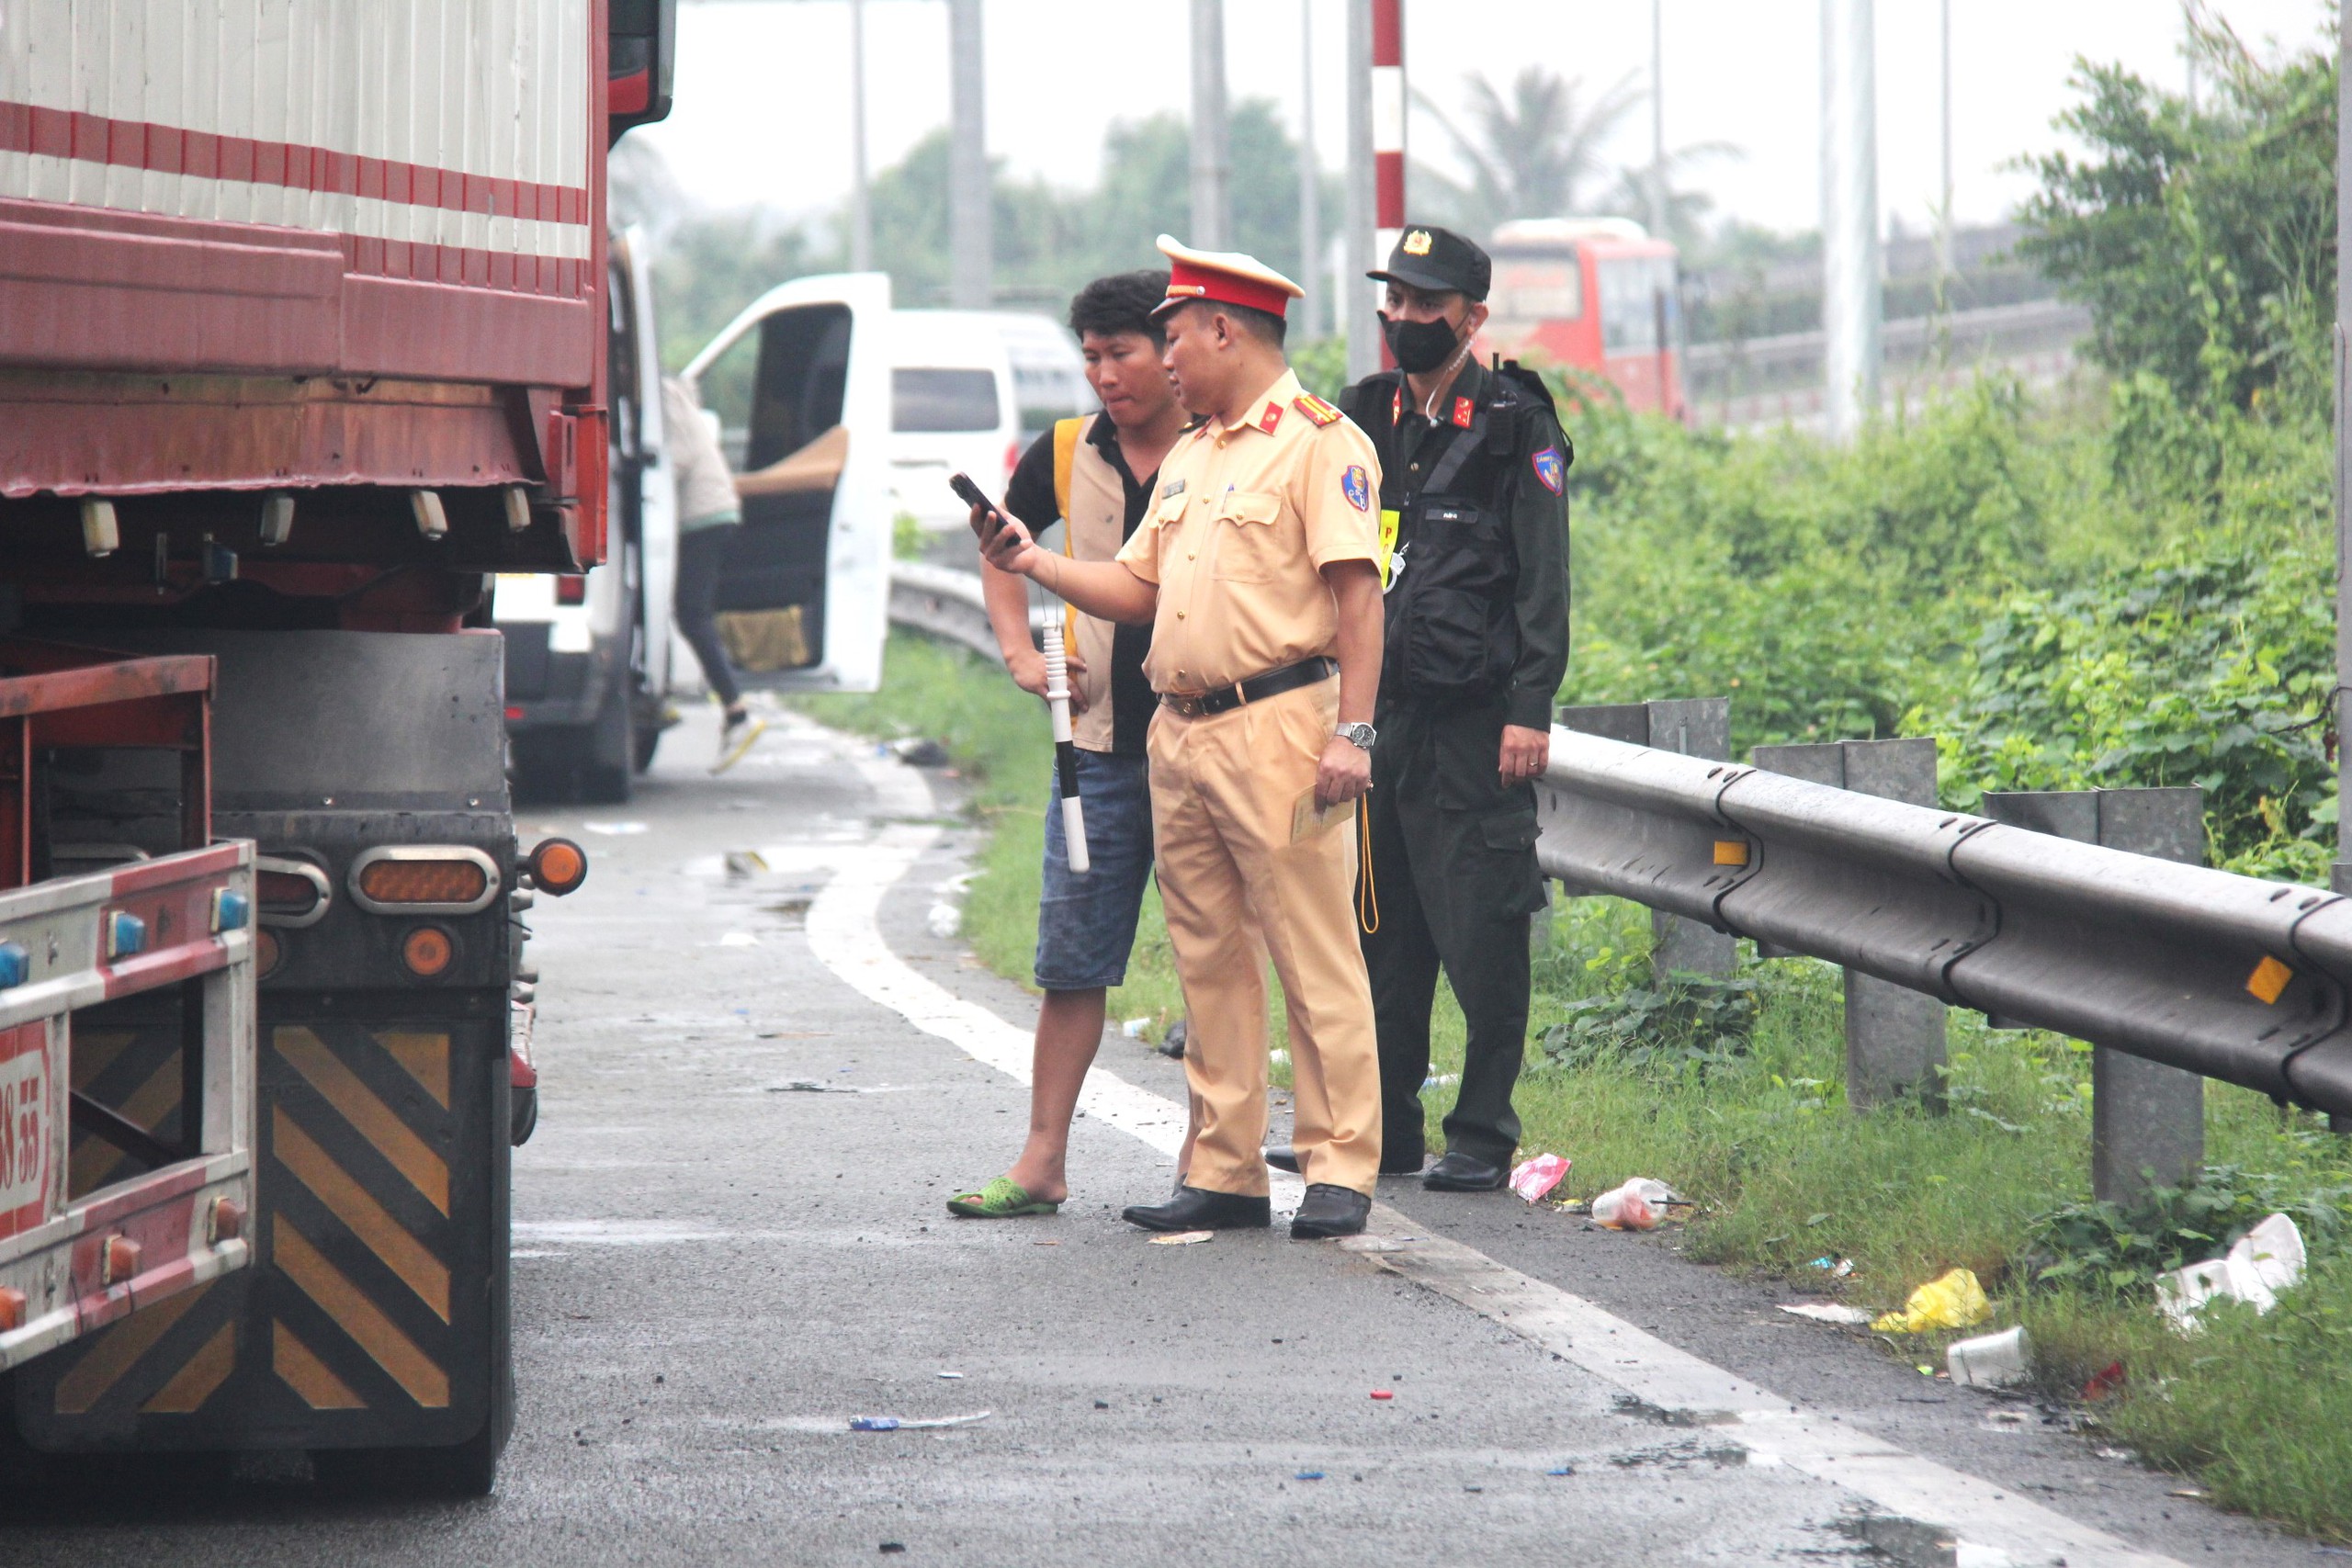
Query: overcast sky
{"points": [[762, 108]]}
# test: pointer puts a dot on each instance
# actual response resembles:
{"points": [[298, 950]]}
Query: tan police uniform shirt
{"points": [[1248, 516]]}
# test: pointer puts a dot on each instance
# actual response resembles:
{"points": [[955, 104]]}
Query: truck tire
{"points": [[608, 762]]}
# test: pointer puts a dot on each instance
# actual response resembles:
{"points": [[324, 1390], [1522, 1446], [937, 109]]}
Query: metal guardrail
{"points": [[2222, 975]]}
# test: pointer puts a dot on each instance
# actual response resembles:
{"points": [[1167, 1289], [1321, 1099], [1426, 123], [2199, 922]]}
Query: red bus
{"points": [[1597, 294]]}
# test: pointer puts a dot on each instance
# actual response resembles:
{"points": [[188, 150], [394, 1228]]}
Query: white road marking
{"points": [[1996, 1526]]}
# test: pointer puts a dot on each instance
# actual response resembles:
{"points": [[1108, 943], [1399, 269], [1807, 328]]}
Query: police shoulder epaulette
{"points": [[1316, 409]]}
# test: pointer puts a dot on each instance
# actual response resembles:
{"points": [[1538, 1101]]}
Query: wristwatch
{"points": [[1360, 736]]}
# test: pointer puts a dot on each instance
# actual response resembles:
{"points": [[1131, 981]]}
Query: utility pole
{"points": [[2342, 879], [971, 244], [1212, 165], [1354, 311], [861, 204], [1310, 179], [1657, 117], [1850, 302], [1943, 212]]}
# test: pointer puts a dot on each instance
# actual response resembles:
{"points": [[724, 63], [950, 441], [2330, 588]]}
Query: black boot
{"points": [[1198, 1209], [1329, 1211]]}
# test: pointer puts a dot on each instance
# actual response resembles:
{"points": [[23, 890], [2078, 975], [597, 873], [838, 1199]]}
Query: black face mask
{"points": [[1420, 346]]}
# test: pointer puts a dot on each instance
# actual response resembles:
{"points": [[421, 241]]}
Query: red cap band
{"points": [[1188, 281]]}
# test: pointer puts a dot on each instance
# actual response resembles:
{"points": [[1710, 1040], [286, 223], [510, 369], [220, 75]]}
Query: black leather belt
{"points": [[1256, 689]]}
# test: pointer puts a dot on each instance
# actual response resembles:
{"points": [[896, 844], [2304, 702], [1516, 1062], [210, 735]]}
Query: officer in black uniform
{"points": [[1474, 466]]}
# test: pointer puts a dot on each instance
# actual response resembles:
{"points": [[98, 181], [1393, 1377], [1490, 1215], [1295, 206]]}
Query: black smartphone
{"points": [[971, 494]]}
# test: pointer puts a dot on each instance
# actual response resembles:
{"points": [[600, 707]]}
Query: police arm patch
{"points": [[1549, 469], [1316, 409], [1356, 485]]}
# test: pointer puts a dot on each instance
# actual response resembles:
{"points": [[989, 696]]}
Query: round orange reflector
{"points": [[422, 881], [269, 953], [559, 865], [12, 1308], [426, 951]]}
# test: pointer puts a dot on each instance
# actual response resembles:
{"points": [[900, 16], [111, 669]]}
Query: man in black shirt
{"points": [[1097, 473], [1473, 479]]}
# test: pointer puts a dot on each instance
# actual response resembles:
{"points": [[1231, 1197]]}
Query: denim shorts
{"points": [[1086, 925]]}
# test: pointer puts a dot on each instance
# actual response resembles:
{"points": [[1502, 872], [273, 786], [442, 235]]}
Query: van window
{"points": [[939, 401], [1048, 392]]}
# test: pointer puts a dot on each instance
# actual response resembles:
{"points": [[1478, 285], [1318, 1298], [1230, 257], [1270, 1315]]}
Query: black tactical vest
{"points": [[1451, 632]]}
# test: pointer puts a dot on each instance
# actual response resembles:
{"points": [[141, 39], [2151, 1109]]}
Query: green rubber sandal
{"points": [[1001, 1198]]}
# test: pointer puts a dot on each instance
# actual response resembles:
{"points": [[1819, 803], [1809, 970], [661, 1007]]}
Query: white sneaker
{"points": [[735, 738]]}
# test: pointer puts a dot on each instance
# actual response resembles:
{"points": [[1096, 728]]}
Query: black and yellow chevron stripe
{"points": [[367, 1319]]}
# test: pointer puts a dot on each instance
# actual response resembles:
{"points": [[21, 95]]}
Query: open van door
{"points": [[801, 382]]}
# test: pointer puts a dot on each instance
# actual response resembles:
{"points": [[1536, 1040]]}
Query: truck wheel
{"points": [[523, 1118], [647, 739], [608, 770]]}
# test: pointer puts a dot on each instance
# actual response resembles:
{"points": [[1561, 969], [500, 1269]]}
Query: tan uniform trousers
{"points": [[1225, 792]]}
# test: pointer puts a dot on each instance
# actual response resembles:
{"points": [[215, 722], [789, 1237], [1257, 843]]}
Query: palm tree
{"points": [[1529, 154]]}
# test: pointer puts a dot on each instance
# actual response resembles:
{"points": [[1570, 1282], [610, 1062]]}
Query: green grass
{"points": [[1782, 1172]]}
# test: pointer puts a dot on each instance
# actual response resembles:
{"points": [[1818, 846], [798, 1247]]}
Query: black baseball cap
{"points": [[1438, 260]]}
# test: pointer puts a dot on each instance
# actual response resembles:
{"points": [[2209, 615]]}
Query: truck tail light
{"points": [[557, 866], [425, 879], [269, 953], [226, 1221], [12, 1309], [426, 951], [571, 590], [290, 892]]}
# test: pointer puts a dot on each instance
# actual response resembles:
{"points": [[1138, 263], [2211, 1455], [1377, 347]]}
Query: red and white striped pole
{"points": [[1387, 134]]}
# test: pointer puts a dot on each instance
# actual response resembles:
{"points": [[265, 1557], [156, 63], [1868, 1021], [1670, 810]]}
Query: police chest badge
{"points": [[1549, 469], [1356, 485]]}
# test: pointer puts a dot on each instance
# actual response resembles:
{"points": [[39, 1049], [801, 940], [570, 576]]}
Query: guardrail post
{"points": [[1695, 727], [2147, 1119], [1894, 1036]]}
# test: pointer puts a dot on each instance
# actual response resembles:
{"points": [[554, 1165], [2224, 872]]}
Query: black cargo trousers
{"points": [[1451, 883]]}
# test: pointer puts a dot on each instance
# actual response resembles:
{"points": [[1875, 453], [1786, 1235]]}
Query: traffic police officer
{"points": [[1257, 569], [1476, 617]]}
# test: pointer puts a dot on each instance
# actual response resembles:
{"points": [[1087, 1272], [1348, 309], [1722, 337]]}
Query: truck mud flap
{"points": [[376, 1313]]}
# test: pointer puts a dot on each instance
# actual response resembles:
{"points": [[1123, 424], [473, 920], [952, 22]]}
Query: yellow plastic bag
{"points": [[1956, 1301]]}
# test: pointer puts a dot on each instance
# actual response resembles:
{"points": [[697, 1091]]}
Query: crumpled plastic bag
{"points": [[1534, 1178], [1638, 1205], [2266, 1259], [1955, 1300]]}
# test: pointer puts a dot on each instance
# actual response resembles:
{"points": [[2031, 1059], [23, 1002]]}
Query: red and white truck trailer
{"points": [[303, 341]]}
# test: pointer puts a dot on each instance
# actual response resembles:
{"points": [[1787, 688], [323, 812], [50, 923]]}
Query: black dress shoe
{"points": [[1198, 1209], [1329, 1211], [1458, 1172]]}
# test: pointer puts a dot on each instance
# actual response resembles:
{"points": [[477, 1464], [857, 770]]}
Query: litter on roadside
{"points": [[1308, 1475], [901, 1424], [1638, 1205], [1989, 1361], [1183, 1238], [1837, 1267], [2266, 1259], [1533, 1178], [1828, 1311], [1376, 1242], [1384, 1394], [1133, 1028], [2108, 1379], [1954, 1301], [951, 1374], [616, 829]]}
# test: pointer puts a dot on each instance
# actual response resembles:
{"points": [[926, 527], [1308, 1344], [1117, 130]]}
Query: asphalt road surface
{"points": [[767, 1060]]}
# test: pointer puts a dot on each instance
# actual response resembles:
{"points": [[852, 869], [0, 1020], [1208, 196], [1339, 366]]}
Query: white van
{"points": [[801, 382], [969, 390]]}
